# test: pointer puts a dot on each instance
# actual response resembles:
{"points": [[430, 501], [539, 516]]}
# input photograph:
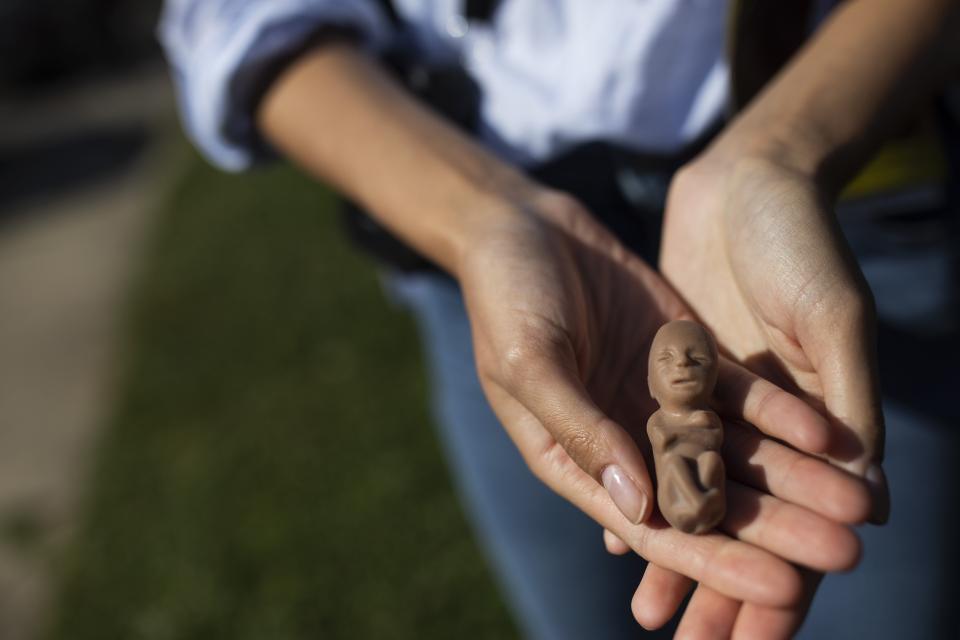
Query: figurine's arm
{"points": [[714, 431], [658, 435]]}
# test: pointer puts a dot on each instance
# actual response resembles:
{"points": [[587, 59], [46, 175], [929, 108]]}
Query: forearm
{"points": [[346, 122], [864, 70]]}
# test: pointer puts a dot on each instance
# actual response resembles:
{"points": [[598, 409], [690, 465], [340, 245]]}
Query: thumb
{"points": [[847, 367], [542, 374]]}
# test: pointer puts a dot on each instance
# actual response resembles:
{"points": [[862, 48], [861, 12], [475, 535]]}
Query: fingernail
{"points": [[625, 494], [880, 492]]}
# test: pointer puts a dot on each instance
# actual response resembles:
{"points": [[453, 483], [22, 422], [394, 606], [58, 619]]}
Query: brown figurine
{"points": [[685, 434]]}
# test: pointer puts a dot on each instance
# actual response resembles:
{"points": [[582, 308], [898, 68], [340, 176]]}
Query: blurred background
{"points": [[212, 424]]}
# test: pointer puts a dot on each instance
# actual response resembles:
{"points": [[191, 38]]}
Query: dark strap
{"points": [[474, 10], [762, 37], [481, 10], [391, 11]]}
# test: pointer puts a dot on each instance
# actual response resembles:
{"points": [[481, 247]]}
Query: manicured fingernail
{"points": [[880, 492], [625, 494]]}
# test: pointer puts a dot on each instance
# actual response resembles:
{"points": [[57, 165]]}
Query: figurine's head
{"points": [[683, 365]]}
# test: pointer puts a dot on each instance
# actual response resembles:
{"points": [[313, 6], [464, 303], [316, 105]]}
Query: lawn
{"points": [[269, 470]]}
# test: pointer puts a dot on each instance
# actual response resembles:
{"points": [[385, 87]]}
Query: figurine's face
{"points": [[683, 364]]}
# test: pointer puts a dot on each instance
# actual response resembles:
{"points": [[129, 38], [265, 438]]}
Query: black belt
{"points": [[474, 10]]}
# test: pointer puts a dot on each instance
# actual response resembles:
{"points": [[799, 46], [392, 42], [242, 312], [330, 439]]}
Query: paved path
{"points": [[65, 265]]}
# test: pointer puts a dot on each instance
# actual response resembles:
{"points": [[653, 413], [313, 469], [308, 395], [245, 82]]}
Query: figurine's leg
{"points": [[710, 469], [692, 500], [678, 478]]}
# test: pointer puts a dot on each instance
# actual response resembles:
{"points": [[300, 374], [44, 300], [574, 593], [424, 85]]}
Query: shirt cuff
{"points": [[223, 54]]}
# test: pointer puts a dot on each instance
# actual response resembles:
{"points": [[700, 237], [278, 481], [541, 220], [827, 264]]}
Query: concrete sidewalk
{"points": [[66, 261]]}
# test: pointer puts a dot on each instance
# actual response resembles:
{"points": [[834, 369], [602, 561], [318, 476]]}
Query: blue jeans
{"points": [[549, 557]]}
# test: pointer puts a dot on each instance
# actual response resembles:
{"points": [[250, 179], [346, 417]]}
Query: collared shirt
{"points": [[648, 74]]}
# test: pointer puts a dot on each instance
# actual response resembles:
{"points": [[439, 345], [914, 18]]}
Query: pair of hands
{"points": [[563, 316]]}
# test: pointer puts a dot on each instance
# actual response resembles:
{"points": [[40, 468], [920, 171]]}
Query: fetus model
{"points": [[685, 434]]}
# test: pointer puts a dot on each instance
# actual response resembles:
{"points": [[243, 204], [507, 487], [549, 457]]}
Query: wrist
{"points": [[494, 203], [734, 172], [794, 148], [525, 210]]}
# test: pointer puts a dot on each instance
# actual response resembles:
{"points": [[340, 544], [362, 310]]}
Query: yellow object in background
{"points": [[916, 160]]}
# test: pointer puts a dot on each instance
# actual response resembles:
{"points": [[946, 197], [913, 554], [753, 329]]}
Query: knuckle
{"points": [[518, 359], [530, 354], [585, 447], [540, 466], [520, 363], [758, 405], [553, 466]]}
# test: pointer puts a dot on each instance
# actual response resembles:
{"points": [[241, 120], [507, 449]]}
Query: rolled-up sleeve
{"points": [[222, 51]]}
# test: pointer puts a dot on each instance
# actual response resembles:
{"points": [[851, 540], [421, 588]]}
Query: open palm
{"points": [[757, 254], [754, 250]]}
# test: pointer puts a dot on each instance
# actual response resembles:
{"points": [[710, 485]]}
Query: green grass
{"points": [[270, 470]]}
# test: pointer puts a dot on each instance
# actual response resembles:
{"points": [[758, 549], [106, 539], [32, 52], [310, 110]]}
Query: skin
{"points": [[685, 434], [563, 316]]}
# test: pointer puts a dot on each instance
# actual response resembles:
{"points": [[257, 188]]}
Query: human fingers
{"points": [[769, 622], [744, 395], [789, 531], [658, 596], [661, 592], [539, 369], [803, 480], [735, 568], [765, 622], [613, 544], [709, 616], [842, 348]]}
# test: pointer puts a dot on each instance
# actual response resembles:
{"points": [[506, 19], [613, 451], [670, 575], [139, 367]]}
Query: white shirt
{"points": [[649, 74]]}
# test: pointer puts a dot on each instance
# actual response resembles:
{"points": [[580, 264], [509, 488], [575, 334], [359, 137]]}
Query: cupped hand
{"points": [[562, 318], [754, 249]]}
